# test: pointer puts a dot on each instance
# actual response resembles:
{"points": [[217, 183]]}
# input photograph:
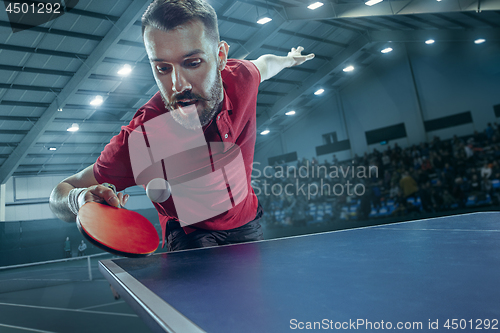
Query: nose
{"points": [[179, 81]]}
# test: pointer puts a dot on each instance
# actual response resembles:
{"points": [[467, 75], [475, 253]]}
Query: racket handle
{"points": [[113, 187]]}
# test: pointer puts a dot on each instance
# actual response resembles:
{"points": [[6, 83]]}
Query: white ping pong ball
{"points": [[158, 190]]}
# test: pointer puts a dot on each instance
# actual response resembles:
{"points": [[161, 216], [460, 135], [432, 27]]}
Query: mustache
{"points": [[187, 95]]}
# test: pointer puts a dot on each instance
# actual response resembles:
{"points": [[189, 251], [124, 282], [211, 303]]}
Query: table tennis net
{"points": [[50, 273]]}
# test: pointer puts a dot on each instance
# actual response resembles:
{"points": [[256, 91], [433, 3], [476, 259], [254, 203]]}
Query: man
{"points": [[67, 247], [81, 248], [202, 90]]}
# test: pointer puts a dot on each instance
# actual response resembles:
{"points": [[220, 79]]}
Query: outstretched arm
{"points": [[269, 64]]}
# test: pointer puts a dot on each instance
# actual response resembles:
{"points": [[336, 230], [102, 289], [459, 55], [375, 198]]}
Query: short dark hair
{"points": [[168, 14]]}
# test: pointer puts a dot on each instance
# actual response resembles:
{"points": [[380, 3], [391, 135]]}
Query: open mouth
{"points": [[187, 106], [185, 103]]}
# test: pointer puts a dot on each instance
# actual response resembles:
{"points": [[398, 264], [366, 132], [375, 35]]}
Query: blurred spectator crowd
{"points": [[437, 176]]}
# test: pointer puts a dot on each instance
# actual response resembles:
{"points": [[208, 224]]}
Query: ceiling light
{"points": [[73, 128], [98, 100], [264, 132], [125, 70], [290, 113], [264, 20], [59, 109], [387, 50], [429, 41], [315, 5], [372, 2], [319, 92], [480, 41], [348, 69], [52, 148]]}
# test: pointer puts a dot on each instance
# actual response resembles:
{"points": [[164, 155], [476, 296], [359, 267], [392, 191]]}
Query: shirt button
{"points": [[225, 136]]}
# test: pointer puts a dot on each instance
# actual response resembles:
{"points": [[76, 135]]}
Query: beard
{"points": [[190, 118]]}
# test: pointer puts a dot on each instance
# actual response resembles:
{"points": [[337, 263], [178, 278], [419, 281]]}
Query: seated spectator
{"points": [[448, 200], [425, 194], [387, 179], [486, 186], [437, 199], [495, 170], [437, 161], [426, 164], [408, 185], [486, 171], [475, 185], [394, 191], [335, 160], [386, 160], [458, 191], [469, 151], [364, 208]]}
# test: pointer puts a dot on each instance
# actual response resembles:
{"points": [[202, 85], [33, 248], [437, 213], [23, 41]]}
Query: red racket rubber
{"points": [[117, 230]]}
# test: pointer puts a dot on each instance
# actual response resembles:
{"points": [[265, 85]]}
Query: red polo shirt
{"points": [[235, 124]]}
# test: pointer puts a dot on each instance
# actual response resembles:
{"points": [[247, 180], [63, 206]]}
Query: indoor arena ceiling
{"points": [[49, 74]]}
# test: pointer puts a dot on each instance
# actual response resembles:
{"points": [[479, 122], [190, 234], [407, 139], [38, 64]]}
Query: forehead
{"points": [[172, 44]]}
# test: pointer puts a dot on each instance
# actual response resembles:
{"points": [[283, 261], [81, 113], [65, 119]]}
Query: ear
{"points": [[222, 55]]}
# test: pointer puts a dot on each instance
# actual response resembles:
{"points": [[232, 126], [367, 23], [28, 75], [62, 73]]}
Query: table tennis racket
{"points": [[117, 230]]}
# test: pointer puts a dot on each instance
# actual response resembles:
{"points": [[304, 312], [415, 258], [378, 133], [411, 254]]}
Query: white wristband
{"points": [[73, 195]]}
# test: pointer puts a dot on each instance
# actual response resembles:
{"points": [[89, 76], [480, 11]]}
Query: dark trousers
{"points": [[177, 239]]}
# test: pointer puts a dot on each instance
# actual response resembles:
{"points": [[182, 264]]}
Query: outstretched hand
{"points": [[298, 58]]}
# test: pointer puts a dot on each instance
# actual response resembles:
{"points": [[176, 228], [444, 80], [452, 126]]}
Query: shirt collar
{"points": [[226, 103]]}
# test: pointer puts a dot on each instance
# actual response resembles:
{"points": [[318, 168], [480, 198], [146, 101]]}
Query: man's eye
{"points": [[162, 69], [193, 64]]}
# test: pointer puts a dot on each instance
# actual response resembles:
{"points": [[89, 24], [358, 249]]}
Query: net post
{"points": [[90, 268]]}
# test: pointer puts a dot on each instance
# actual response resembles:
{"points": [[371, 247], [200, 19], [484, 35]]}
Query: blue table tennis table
{"points": [[432, 275]]}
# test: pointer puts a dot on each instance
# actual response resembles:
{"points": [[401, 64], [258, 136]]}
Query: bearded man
{"points": [[202, 90]]}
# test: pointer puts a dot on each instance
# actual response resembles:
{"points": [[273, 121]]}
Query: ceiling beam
{"points": [[112, 94], [28, 104], [117, 31], [346, 25], [477, 17], [65, 120], [42, 51], [80, 133], [110, 108], [62, 155], [450, 35], [41, 166], [451, 20], [63, 144], [390, 8], [35, 70], [29, 88], [58, 32], [316, 39], [91, 121], [120, 78], [13, 132]]}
